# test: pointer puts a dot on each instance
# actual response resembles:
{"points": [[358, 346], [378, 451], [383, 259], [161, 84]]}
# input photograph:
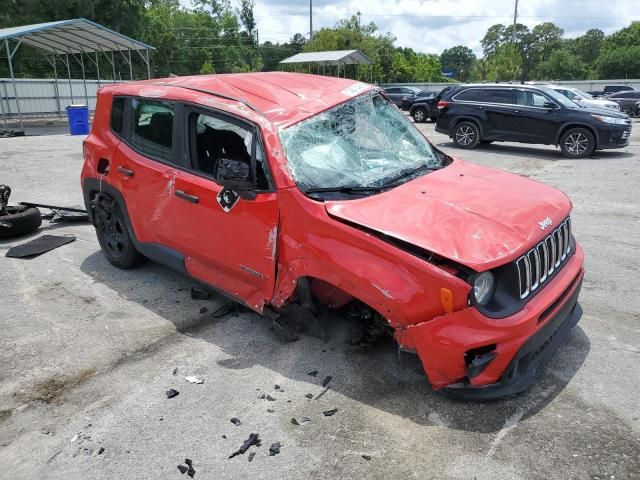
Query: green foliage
{"points": [[621, 62], [561, 64], [460, 59], [207, 68], [504, 65]]}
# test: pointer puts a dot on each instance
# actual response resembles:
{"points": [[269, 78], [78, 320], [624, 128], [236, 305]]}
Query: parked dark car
{"points": [[407, 102], [610, 90], [399, 94], [477, 114], [627, 100], [423, 108]]}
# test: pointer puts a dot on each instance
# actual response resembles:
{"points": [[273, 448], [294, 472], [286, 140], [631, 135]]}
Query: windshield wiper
{"points": [[344, 189], [408, 173]]}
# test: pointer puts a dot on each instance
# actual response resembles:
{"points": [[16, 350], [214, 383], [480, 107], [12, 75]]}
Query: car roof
{"points": [[283, 98]]}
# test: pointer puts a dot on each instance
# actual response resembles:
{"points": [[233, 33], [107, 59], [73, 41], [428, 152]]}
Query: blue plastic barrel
{"points": [[78, 116]]}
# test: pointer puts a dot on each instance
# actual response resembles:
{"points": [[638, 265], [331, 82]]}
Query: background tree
{"points": [[562, 64], [460, 59]]}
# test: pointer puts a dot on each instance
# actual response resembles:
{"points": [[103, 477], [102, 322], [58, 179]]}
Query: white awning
{"points": [[334, 57]]}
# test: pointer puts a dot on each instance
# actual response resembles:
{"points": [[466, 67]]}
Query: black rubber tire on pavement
{"points": [[19, 220], [419, 115], [466, 135], [577, 143], [115, 239]]}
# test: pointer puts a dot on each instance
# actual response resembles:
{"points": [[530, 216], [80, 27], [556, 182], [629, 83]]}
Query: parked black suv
{"points": [[422, 108], [473, 114]]}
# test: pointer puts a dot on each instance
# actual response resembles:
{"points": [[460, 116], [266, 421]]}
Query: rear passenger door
{"points": [[229, 242], [495, 107]]}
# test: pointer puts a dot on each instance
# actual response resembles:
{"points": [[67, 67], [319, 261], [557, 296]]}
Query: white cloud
{"points": [[433, 25]]}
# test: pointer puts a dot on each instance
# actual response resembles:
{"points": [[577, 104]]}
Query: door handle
{"points": [[187, 197], [517, 111], [480, 108], [125, 171]]}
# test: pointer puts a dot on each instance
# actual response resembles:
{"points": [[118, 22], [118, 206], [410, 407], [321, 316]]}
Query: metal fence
{"points": [[46, 97], [585, 85]]}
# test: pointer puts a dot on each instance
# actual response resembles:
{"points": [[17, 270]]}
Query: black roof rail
{"points": [[215, 94]]}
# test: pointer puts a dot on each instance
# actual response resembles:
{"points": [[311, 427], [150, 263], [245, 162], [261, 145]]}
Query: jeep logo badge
{"points": [[545, 223]]}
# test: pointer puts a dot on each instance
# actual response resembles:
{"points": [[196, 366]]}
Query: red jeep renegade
{"points": [[282, 189]]}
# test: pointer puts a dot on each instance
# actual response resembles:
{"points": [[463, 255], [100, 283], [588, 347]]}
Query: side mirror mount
{"points": [[550, 106], [235, 175]]}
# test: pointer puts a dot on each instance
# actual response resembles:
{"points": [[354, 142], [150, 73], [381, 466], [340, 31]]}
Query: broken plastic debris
{"points": [[183, 469], [294, 421], [204, 310], [101, 451], [75, 437], [251, 455], [366, 457], [38, 246], [236, 421], [266, 396], [274, 449], [254, 439], [270, 410], [199, 293], [326, 381], [309, 395], [324, 390], [276, 386], [194, 379], [191, 472], [224, 309], [329, 413], [172, 393], [224, 436], [305, 419], [313, 373], [175, 370]]}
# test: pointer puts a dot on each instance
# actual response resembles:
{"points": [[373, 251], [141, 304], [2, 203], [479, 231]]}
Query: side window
{"points": [[470, 95], [152, 131], [392, 91], [117, 115], [499, 95], [529, 98], [215, 139]]}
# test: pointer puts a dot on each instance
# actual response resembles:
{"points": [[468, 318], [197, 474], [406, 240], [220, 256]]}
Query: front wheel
{"points": [[419, 115], [577, 143], [466, 135]]}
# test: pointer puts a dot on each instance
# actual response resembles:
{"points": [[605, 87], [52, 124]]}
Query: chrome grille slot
{"points": [[535, 267]]}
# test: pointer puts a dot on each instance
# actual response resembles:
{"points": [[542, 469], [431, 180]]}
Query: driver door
{"points": [[228, 242]]}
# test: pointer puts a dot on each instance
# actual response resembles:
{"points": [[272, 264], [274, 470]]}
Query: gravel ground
{"points": [[88, 351]]}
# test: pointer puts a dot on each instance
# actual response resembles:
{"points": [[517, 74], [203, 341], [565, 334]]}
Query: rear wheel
{"points": [[113, 234], [466, 135], [577, 143], [419, 115]]}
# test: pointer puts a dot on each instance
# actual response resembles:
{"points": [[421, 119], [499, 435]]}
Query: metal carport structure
{"points": [[78, 39], [338, 58]]}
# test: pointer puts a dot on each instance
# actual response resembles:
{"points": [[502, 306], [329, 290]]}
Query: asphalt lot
{"points": [[87, 352]]}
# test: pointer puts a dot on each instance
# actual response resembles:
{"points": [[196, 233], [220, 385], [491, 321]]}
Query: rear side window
{"points": [[495, 95], [117, 115], [152, 132]]}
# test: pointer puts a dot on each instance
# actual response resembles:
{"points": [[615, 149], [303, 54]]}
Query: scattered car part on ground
{"points": [[236, 421], [188, 468], [308, 192], [251, 455], [313, 373], [330, 413], [194, 379], [254, 439], [172, 392], [274, 449], [366, 457], [11, 133], [295, 422], [198, 293], [39, 245], [16, 220], [476, 114]]}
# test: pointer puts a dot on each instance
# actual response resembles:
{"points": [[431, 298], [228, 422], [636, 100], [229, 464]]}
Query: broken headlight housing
{"points": [[483, 287]]}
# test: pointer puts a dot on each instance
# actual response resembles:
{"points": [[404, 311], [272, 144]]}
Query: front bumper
{"points": [[614, 137], [444, 344], [530, 359]]}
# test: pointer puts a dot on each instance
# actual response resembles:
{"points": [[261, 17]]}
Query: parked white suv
{"points": [[583, 98]]}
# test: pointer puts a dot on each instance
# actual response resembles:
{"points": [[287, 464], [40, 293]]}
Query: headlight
{"points": [[612, 120], [483, 287]]}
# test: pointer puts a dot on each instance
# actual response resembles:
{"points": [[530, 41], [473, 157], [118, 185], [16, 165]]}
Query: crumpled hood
{"points": [[477, 216]]}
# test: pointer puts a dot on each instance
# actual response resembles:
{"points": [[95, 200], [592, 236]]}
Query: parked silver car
{"points": [[583, 98]]}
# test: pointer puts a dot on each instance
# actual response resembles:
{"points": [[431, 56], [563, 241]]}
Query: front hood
{"points": [[477, 216], [602, 110]]}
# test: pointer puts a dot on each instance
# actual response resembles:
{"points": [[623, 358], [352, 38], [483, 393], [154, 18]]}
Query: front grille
{"points": [[535, 267]]}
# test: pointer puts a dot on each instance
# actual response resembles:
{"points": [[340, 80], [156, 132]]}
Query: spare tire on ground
{"points": [[19, 220]]}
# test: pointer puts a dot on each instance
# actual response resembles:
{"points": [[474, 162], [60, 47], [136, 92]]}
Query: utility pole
{"points": [[515, 21], [310, 19]]}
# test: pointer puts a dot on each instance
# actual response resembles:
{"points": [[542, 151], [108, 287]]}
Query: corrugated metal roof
{"points": [[334, 57], [72, 36]]}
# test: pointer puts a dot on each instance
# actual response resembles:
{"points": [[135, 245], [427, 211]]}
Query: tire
{"points": [[419, 115], [466, 135], [113, 234], [577, 143], [19, 220]]}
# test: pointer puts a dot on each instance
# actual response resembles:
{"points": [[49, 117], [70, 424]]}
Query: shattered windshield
{"points": [[365, 142]]}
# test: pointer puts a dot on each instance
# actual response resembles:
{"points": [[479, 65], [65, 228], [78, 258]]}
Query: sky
{"points": [[430, 26]]}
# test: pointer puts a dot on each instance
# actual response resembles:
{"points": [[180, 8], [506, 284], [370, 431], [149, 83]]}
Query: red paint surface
{"points": [[476, 216]]}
